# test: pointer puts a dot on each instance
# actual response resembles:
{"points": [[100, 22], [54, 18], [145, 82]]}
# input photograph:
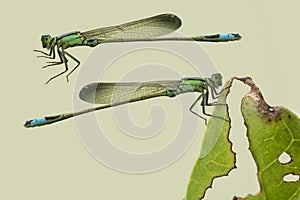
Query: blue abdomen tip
{"points": [[226, 36], [38, 121]]}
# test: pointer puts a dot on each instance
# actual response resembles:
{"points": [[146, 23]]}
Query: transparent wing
{"points": [[149, 27], [114, 93]]}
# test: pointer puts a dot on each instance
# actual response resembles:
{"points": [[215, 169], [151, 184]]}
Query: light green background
{"points": [[51, 163]]}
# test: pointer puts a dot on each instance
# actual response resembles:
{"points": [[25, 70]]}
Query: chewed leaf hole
{"points": [[284, 158], [291, 178]]}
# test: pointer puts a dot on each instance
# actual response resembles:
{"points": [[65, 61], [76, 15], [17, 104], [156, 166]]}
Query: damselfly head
{"points": [[46, 39], [216, 80]]}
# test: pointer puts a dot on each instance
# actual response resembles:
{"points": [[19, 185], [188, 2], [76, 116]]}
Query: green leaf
{"points": [[216, 157], [272, 131]]}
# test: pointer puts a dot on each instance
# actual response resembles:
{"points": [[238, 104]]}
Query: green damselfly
{"points": [[114, 94], [148, 29]]}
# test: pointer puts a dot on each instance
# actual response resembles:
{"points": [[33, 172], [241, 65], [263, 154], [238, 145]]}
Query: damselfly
{"points": [[148, 29], [114, 94]]}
